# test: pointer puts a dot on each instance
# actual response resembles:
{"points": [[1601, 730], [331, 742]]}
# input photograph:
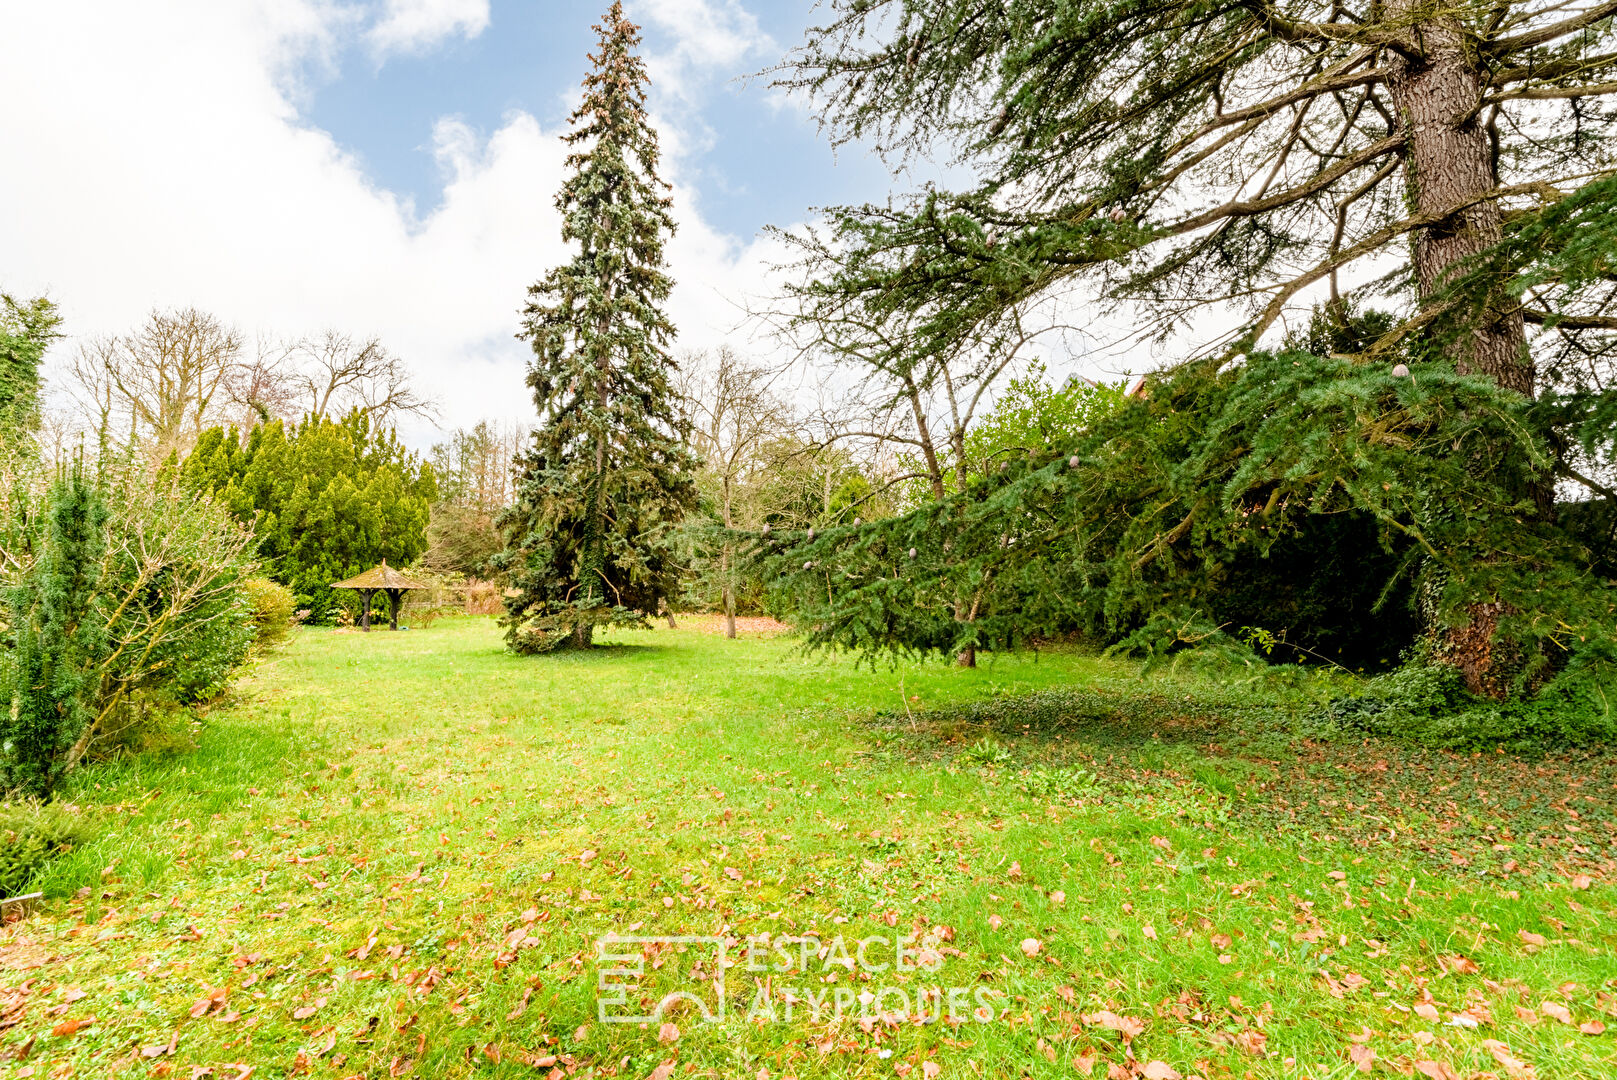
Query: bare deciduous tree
{"points": [[184, 371], [262, 388], [335, 372], [735, 414], [918, 400], [476, 480], [166, 382]]}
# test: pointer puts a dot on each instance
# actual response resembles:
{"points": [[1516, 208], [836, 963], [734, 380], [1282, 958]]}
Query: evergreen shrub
{"points": [[274, 612], [30, 836]]}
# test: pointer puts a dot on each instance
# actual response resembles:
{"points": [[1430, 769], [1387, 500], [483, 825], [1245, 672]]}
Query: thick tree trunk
{"points": [[967, 657], [1448, 164], [1449, 170], [725, 559]]}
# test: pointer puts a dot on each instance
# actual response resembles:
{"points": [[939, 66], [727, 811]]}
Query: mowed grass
{"points": [[396, 854]]}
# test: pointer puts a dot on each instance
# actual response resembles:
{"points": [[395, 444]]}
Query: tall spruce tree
{"points": [[608, 472], [1250, 154]]}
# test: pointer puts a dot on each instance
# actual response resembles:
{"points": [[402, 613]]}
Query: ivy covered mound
{"points": [[1144, 530]]}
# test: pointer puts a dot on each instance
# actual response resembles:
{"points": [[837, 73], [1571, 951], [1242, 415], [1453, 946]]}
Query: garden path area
{"points": [[395, 855]]}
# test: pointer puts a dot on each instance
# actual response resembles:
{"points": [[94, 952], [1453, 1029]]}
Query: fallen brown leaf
{"points": [[1513, 1066], [71, 1027], [1126, 1026]]}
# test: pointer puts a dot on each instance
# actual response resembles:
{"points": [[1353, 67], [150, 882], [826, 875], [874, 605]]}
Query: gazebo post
{"points": [[365, 608], [393, 608]]}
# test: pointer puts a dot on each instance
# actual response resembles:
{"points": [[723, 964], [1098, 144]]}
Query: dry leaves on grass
{"points": [[714, 624], [71, 1027], [1514, 1067], [306, 1011], [1555, 1011], [162, 1049], [214, 1000], [1127, 1026]]}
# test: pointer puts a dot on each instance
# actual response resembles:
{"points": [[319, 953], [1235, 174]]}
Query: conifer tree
{"points": [[27, 329], [59, 640], [607, 472], [326, 499], [1250, 154]]}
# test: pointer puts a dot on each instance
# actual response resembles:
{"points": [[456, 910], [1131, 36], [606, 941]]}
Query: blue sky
{"points": [[387, 168], [752, 160]]}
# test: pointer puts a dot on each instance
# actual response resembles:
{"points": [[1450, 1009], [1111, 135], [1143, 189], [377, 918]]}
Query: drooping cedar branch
{"points": [[1180, 153]]}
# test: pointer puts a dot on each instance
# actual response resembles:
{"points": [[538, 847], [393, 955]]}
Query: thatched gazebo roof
{"points": [[379, 577]]}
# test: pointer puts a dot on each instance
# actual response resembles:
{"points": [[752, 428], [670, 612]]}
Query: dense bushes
{"points": [[57, 617], [325, 500], [124, 599], [274, 612], [1429, 704], [30, 835], [1291, 490]]}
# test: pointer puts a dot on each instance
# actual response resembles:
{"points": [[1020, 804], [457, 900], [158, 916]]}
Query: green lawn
{"points": [[395, 854]]}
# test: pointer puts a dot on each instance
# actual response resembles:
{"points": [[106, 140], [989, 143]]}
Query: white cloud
{"points": [[163, 161], [710, 38], [413, 26]]}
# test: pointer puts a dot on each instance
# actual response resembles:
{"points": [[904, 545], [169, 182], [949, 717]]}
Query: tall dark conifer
{"points": [[608, 471]]}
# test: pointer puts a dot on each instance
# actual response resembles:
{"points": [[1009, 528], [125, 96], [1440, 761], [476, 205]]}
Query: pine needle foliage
{"points": [[59, 638], [607, 474], [1448, 165], [1181, 153], [27, 329], [1130, 531]]}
